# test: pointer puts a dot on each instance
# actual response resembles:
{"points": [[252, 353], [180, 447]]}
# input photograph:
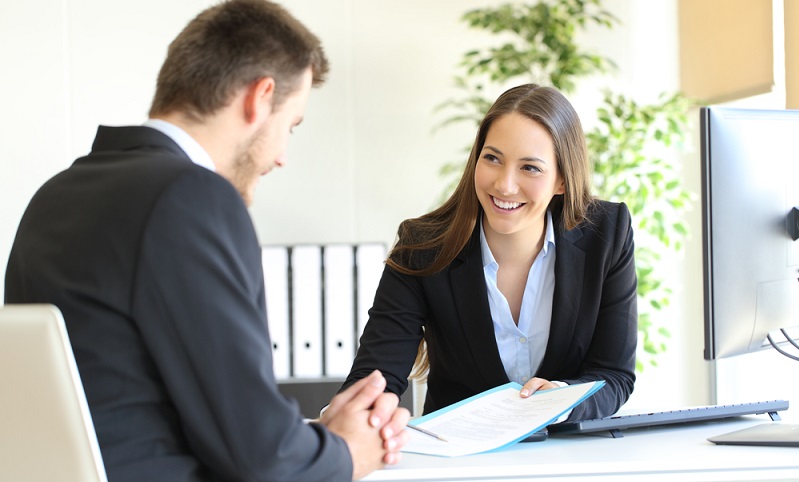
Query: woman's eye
{"points": [[531, 168], [490, 158]]}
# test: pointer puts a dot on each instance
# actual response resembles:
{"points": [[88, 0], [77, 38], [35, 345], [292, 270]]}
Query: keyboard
{"points": [[616, 423]]}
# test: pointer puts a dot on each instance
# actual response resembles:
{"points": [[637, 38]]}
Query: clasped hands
{"points": [[370, 421]]}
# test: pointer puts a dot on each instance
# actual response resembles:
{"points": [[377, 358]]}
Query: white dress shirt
{"points": [[522, 347]]}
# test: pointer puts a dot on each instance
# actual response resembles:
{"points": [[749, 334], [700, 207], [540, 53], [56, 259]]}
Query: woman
{"points": [[520, 276]]}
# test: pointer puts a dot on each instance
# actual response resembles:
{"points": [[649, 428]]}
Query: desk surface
{"points": [[664, 453]]}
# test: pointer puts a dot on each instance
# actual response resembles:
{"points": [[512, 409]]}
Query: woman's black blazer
{"points": [[592, 337]]}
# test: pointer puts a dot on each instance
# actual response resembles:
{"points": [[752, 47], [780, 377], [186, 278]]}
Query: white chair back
{"points": [[46, 431]]}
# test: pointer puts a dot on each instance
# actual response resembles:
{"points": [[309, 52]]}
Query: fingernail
{"points": [[387, 433], [392, 444], [524, 392], [374, 421], [377, 379]]}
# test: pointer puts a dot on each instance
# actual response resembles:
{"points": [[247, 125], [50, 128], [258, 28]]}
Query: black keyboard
{"points": [[616, 423]]}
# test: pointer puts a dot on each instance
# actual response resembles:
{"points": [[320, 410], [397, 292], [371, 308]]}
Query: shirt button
{"points": [[524, 379], [522, 340]]}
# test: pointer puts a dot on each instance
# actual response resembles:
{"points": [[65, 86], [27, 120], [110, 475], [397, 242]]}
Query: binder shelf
{"points": [[318, 298]]}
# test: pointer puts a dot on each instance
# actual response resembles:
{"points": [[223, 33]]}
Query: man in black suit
{"points": [[147, 248]]}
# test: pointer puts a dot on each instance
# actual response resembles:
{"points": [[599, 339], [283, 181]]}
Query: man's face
{"points": [[267, 147]]}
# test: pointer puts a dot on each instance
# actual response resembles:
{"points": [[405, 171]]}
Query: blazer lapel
{"points": [[569, 267], [468, 287]]}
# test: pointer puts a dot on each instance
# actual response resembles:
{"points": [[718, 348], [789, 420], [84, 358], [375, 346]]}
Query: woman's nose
{"points": [[506, 183]]}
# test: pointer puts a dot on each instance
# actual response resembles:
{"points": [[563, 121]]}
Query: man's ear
{"points": [[258, 99]]}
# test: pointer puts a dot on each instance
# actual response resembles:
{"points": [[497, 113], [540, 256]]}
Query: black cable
{"points": [[793, 342], [780, 349]]}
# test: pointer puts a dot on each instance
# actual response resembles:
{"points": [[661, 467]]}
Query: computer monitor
{"points": [[750, 211]]}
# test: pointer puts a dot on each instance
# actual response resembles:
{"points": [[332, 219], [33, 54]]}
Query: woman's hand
{"points": [[535, 384]]}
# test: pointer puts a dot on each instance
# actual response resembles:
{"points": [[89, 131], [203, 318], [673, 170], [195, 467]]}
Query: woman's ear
{"points": [[561, 189]]}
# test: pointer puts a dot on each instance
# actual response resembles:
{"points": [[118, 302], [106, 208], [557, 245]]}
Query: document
{"points": [[493, 419]]}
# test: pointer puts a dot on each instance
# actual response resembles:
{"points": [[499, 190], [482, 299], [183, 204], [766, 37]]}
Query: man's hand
{"points": [[370, 422], [392, 421]]}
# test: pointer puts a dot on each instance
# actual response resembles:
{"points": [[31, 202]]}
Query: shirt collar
{"points": [[190, 146], [488, 256]]}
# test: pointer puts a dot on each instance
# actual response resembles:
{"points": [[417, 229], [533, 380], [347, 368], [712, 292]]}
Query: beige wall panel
{"points": [[726, 49], [792, 54]]}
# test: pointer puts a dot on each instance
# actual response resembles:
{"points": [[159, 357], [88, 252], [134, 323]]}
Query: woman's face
{"points": [[517, 176]]}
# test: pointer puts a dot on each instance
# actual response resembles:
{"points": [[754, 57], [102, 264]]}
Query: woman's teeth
{"points": [[506, 204]]}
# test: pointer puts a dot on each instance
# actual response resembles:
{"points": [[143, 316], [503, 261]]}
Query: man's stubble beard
{"points": [[245, 169]]}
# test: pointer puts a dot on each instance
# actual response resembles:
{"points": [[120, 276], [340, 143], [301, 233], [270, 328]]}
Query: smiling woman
{"points": [[521, 275]]}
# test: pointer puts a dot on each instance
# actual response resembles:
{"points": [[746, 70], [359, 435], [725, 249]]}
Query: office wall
{"points": [[365, 157]]}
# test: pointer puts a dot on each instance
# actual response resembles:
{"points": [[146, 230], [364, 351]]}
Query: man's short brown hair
{"points": [[230, 45]]}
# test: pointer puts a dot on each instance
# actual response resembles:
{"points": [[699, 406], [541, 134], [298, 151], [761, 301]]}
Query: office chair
{"points": [[46, 431]]}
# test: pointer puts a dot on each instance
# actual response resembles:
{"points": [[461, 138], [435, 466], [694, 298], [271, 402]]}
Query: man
{"points": [[147, 247]]}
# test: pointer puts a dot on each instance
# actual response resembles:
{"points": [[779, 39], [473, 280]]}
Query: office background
{"points": [[366, 157]]}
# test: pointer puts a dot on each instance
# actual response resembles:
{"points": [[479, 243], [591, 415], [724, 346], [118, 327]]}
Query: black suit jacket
{"points": [[155, 265], [592, 335]]}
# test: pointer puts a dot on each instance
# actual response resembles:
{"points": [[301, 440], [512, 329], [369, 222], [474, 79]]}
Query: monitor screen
{"points": [[750, 195]]}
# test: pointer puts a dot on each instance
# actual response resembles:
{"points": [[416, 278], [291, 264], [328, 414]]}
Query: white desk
{"points": [[666, 453]]}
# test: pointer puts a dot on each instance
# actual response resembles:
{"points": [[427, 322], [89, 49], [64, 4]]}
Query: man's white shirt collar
{"points": [[190, 146]]}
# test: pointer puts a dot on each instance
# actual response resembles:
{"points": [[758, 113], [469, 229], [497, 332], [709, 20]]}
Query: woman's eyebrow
{"points": [[525, 159], [492, 148]]}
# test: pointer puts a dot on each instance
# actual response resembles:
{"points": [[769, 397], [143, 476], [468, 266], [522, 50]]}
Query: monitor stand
{"points": [[773, 434]]}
